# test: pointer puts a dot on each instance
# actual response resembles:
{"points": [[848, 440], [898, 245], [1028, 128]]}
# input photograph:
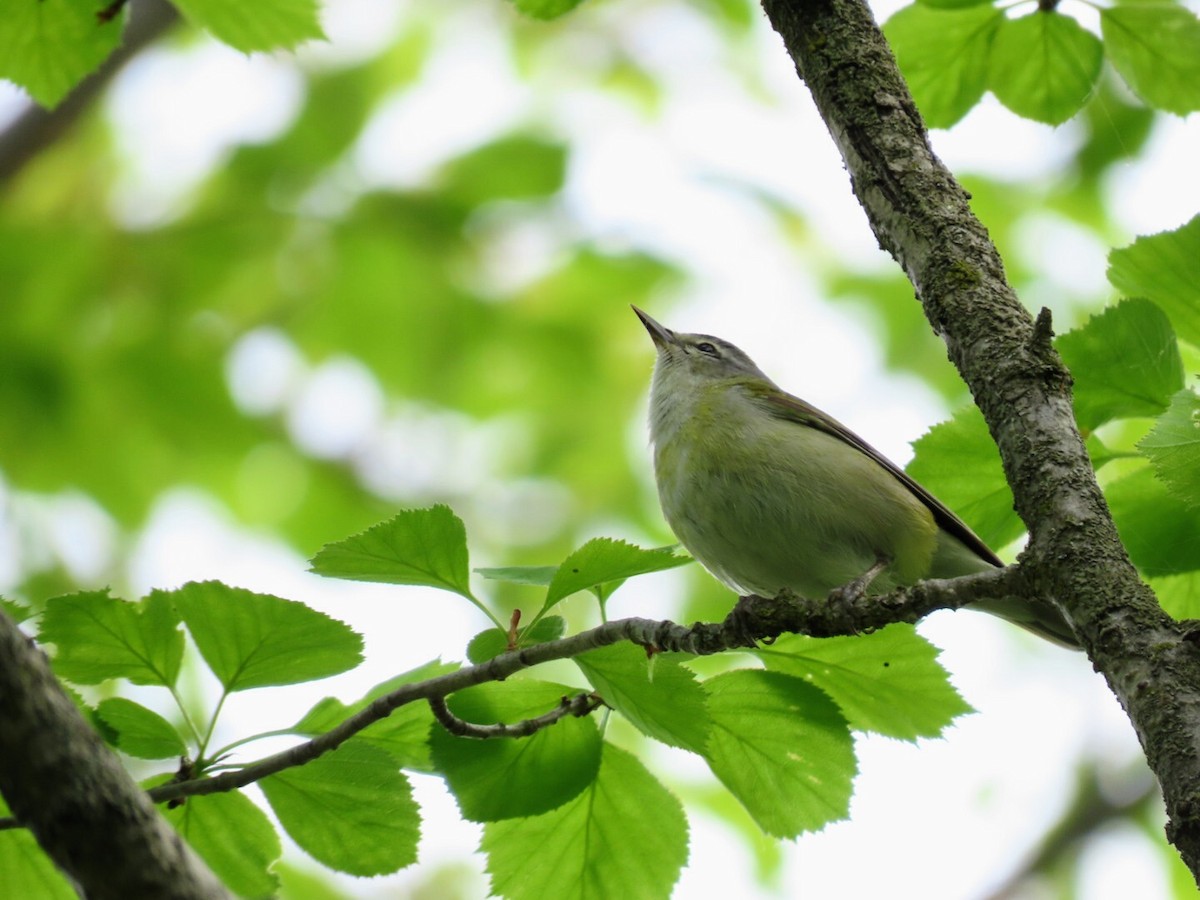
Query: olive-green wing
{"points": [[793, 409]]}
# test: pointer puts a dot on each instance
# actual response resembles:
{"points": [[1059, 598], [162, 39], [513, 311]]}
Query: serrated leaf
{"points": [[140, 732], [1160, 532], [782, 748], [1173, 447], [403, 735], [254, 640], [234, 837], [261, 25], [487, 645], [107, 734], [26, 870], [491, 643], [660, 697], [351, 810], [944, 55], [1044, 66], [959, 463], [538, 576], [889, 682], [1156, 48], [48, 46], [545, 9], [572, 853], [16, 610], [602, 560], [99, 637], [1165, 268], [1125, 362], [417, 546], [503, 778]]}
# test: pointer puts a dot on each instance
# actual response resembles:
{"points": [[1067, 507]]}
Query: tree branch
{"points": [[71, 791], [754, 619], [1074, 559], [36, 128]]}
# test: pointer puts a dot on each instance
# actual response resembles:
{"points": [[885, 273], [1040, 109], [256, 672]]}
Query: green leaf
{"points": [[261, 25], [1160, 532], [515, 167], [602, 560], [234, 837], [658, 695], [26, 870], [538, 576], [494, 641], [16, 610], [1173, 446], [944, 54], [889, 682], [1179, 595], [624, 836], [510, 778], [952, 4], [417, 546], [1100, 453], [1156, 49], [99, 637], [1125, 362], [404, 734], [959, 463], [487, 645], [253, 640], [1165, 268], [48, 46], [140, 732], [351, 810], [1044, 66], [545, 9], [782, 748]]}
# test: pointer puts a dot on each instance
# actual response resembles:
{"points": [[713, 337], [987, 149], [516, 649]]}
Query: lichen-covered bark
{"points": [[89, 816], [921, 215]]}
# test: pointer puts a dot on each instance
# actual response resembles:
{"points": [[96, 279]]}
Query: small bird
{"points": [[769, 493]]}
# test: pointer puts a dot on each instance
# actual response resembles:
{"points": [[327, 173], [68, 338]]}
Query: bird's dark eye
{"points": [[706, 347]]}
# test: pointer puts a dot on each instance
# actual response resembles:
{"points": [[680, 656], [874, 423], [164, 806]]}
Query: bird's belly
{"points": [[806, 525]]}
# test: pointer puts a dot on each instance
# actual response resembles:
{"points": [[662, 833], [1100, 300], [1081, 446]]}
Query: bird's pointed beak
{"points": [[662, 337]]}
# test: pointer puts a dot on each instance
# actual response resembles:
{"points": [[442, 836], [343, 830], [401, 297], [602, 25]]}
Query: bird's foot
{"points": [[852, 591]]}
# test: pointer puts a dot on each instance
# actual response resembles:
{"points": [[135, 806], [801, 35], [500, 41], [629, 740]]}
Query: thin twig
{"points": [[580, 705]]}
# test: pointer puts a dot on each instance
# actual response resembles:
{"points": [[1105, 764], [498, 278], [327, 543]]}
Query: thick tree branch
{"points": [[61, 782], [1075, 559]]}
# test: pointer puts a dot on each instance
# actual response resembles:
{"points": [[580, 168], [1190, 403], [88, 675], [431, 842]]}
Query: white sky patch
{"points": [[337, 409], [466, 94], [1162, 191], [176, 112], [1072, 260], [263, 370], [356, 30]]}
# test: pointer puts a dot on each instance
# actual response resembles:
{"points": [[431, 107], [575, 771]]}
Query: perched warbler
{"points": [[768, 492]]}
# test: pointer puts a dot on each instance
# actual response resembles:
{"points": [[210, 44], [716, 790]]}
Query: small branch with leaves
{"points": [[200, 606]]}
